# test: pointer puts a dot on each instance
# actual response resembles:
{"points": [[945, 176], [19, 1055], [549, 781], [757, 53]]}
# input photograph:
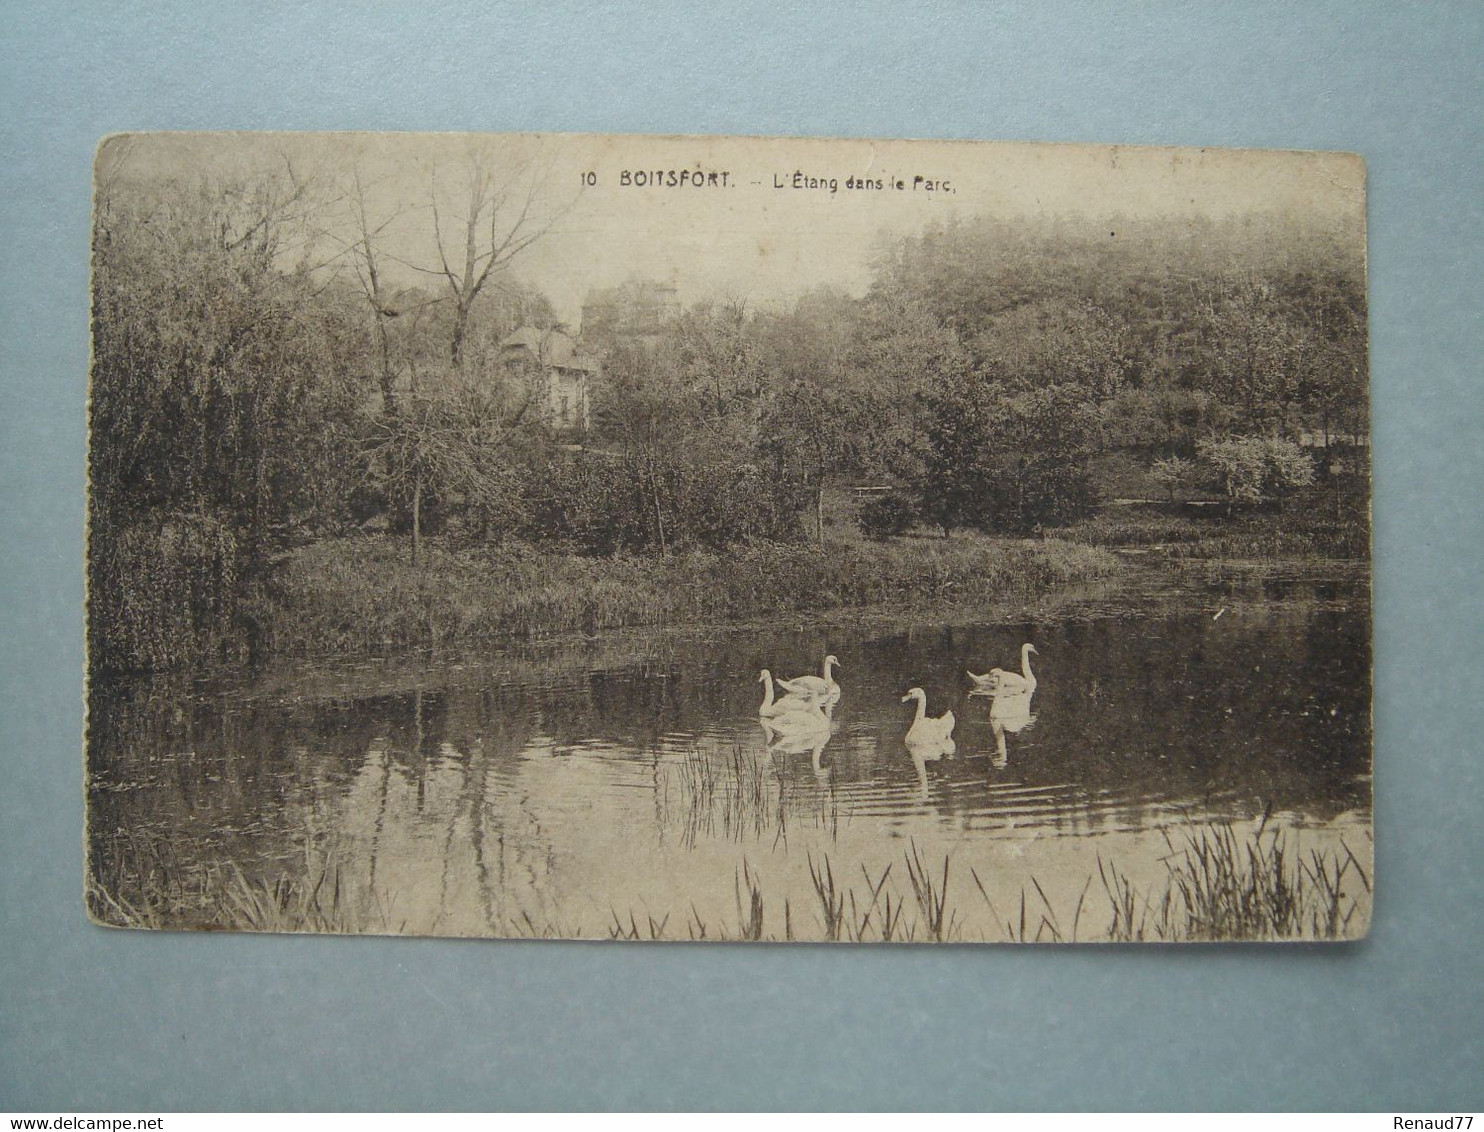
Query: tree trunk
{"points": [[417, 515], [819, 512], [659, 518], [461, 320], [388, 392]]}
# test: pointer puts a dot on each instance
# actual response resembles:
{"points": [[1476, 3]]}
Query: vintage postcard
{"points": [[676, 538]]}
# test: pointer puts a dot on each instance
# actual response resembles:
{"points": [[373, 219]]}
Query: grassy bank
{"points": [[1183, 532], [365, 595]]}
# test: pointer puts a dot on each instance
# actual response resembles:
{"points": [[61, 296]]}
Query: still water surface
{"points": [[627, 784]]}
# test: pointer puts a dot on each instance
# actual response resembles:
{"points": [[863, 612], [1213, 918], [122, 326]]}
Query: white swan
{"points": [[814, 685], [787, 706], [927, 730], [998, 680]]}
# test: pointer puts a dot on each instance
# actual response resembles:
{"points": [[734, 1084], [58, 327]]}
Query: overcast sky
{"points": [[748, 237]]}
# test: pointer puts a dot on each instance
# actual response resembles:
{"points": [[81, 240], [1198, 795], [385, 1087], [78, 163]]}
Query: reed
{"points": [[655, 929], [750, 921], [1046, 924], [1221, 885], [831, 902], [737, 794], [932, 896], [1216, 883], [890, 920]]}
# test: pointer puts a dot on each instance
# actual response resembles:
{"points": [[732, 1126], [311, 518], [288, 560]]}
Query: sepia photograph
{"points": [[571, 536]]}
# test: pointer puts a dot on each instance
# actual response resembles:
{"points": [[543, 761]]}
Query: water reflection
{"points": [[539, 790], [806, 730], [924, 750], [1009, 713]]}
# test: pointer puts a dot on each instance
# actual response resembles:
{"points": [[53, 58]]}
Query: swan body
{"points": [[928, 731], [790, 705], [814, 685], [998, 680]]}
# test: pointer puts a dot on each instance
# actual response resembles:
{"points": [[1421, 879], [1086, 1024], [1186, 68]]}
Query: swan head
{"points": [[1028, 647], [832, 661], [764, 676], [915, 694]]}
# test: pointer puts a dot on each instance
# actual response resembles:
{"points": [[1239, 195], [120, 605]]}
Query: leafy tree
{"points": [[1173, 474], [225, 382], [1254, 470]]}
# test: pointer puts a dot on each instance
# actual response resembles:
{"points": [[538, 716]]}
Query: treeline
{"points": [[258, 383]]}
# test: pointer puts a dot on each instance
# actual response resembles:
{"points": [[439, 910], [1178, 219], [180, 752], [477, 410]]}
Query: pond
{"points": [[1193, 762]]}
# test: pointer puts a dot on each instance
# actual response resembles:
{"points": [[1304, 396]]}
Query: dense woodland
{"points": [[266, 378]]}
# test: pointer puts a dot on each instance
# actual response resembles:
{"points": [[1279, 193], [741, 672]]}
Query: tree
{"points": [[498, 215], [224, 384], [1004, 460], [1254, 470], [1172, 474]]}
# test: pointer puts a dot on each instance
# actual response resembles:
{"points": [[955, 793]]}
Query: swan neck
{"points": [[1025, 662], [768, 692], [921, 708]]}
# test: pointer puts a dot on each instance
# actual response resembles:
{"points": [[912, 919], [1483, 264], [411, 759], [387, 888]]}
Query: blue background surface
{"points": [[91, 1019]]}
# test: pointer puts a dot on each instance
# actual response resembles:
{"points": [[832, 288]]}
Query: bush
{"points": [[603, 504], [163, 595], [1172, 474], [1256, 470], [893, 513]]}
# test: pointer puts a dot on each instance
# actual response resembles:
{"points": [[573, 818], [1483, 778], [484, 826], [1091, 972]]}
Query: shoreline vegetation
{"points": [[297, 448], [1220, 883], [363, 596]]}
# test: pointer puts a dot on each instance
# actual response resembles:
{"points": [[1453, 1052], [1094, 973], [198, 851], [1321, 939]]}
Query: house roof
{"points": [[552, 349]]}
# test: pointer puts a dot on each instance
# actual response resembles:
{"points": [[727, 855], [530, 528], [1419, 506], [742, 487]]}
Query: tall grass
{"points": [[363, 595], [148, 887], [1220, 885], [750, 919], [735, 794], [1301, 532], [931, 894]]}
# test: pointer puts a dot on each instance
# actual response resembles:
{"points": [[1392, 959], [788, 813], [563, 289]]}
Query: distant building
{"points": [[559, 372], [636, 310]]}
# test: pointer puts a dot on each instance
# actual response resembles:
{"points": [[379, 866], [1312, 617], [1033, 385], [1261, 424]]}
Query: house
{"points": [[559, 373], [638, 310]]}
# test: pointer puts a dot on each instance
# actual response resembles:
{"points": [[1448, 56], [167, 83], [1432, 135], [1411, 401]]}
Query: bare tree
{"points": [[369, 274], [502, 216]]}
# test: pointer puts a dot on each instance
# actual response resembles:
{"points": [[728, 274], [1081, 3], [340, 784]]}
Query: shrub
{"points": [[1254, 470], [893, 513], [163, 595], [1173, 474], [605, 503]]}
